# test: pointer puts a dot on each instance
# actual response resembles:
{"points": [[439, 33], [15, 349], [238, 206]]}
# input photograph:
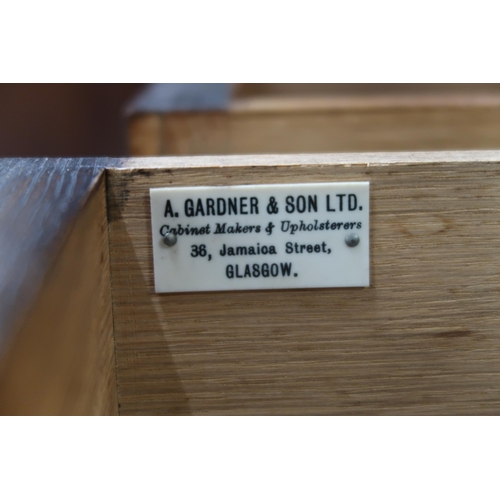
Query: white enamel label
{"points": [[261, 236]]}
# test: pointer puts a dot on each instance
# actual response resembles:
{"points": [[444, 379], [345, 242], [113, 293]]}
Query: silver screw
{"points": [[170, 239], [352, 240]]}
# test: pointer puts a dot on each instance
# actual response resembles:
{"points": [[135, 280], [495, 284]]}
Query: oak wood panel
{"points": [[424, 338], [56, 349]]}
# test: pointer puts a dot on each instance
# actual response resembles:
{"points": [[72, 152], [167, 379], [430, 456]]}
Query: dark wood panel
{"points": [[61, 361], [64, 119], [39, 202]]}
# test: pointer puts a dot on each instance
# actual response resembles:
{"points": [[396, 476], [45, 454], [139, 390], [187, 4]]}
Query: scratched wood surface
{"points": [[56, 343], [424, 338], [283, 118]]}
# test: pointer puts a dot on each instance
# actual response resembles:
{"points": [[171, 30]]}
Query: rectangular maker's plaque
{"points": [[261, 237]]}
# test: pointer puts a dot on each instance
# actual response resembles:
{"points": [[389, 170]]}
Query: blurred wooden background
{"points": [[64, 119], [214, 119], [82, 120]]}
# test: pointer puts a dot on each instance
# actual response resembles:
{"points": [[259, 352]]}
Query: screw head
{"points": [[170, 239], [352, 240]]}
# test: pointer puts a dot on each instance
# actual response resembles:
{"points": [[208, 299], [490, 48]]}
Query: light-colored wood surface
{"points": [[284, 118], [56, 335], [424, 338]]}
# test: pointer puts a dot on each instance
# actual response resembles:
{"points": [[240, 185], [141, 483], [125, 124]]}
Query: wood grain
{"points": [[325, 118], [424, 338], [57, 352], [39, 201]]}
